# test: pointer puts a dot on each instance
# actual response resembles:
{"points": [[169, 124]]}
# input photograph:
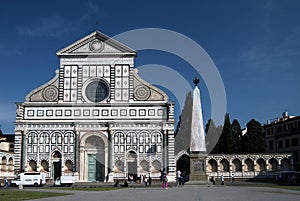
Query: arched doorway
{"points": [[132, 164], [183, 164], [56, 161], [94, 147]]}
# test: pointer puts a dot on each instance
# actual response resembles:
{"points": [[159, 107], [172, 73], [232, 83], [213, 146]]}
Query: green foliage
{"points": [[227, 135], [183, 130], [231, 140], [224, 145], [253, 141], [236, 137], [212, 135]]}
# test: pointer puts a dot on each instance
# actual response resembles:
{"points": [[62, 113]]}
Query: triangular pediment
{"points": [[94, 44]]}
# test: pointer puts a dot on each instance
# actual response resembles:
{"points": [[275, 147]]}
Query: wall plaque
{"points": [[198, 165]]}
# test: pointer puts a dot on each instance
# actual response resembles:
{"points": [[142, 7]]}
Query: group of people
{"points": [[181, 178], [212, 179], [147, 181]]}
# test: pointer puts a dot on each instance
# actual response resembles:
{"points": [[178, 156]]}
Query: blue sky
{"points": [[254, 44]]}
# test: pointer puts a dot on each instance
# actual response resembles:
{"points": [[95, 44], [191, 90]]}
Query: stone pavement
{"points": [[185, 193]]}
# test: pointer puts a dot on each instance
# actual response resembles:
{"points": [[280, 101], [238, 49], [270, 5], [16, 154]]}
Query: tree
{"points": [[227, 134], [253, 141], [236, 137], [224, 145], [212, 136], [183, 130]]}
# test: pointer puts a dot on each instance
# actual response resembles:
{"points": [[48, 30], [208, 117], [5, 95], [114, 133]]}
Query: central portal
{"points": [[95, 159], [95, 168]]}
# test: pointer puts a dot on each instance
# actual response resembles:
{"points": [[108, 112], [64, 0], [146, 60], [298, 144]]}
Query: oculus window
{"points": [[96, 91]]}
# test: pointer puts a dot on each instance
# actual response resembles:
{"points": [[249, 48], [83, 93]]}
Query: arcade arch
{"points": [[224, 165], [273, 164], [285, 164], [212, 166], [249, 165], [236, 165], [260, 165]]}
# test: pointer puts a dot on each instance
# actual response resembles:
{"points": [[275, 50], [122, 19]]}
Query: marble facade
{"points": [[96, 119]]}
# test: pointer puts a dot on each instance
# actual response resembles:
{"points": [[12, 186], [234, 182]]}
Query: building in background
{"points": [[6, 156], [96, 118], [283, 136]]}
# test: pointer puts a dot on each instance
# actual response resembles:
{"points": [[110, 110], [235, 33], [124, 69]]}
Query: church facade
{"points": [[96, 119]]}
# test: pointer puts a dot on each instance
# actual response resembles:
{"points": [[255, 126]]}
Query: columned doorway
{"points": [[132, 164], [56, 164]]}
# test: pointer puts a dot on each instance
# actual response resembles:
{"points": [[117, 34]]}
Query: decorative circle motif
{"points": [[50, 93], [96, 46], [142, 92]]}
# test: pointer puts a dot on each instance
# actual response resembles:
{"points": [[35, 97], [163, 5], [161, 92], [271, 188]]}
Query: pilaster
{"points": [[110, 168], [18, 151]]}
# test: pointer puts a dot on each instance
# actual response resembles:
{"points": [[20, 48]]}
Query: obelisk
{"points": [[197, 143]]}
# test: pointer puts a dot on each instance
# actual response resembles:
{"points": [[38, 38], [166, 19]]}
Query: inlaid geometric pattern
{"points": [[121, 82], [70, 83], [70, 113]]}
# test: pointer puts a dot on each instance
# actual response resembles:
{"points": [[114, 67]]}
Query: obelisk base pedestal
{"points": [[197, 167]]}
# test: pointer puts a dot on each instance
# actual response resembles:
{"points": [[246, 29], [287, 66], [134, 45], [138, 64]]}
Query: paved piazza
{"points": [[186, 193]]}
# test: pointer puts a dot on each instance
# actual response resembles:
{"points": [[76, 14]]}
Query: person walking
{"points": [[142, 178], [146, 181], [222, 180], [178, 178], [232, 178], [212, 179], [6, 183], [149, 180], [164, 179]]}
